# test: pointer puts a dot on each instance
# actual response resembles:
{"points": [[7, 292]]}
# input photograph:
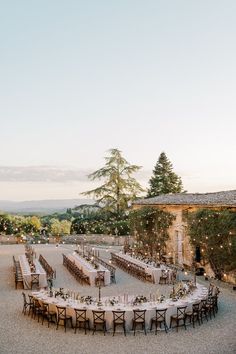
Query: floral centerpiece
{"points": [[161, 298], [50, 283], [192, 286], [86, 299], [182, 290], [62, 293], [94, 264], [32, 268], [113, 301], [139, 299]]}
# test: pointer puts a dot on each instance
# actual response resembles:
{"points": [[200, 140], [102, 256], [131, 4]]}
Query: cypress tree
{"points": [[164, 180]]}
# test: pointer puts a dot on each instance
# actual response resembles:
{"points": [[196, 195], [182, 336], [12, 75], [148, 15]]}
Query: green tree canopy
{"points": [[164, 180], [8, 224], [31, 224], [119, 187], [59, 228], [100, 222]]}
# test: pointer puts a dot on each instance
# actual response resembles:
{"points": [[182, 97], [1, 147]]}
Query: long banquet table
{"points": [[89, 270], [149, 269], [26, 272], [71, 304]]}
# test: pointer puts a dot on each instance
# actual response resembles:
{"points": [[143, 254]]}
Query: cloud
{"points": [[42, 174]]}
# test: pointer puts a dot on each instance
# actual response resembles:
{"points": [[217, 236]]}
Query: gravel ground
{"points": [[21, 334]]}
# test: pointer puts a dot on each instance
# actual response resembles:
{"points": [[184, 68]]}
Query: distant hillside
{"points": [[41, 206]]}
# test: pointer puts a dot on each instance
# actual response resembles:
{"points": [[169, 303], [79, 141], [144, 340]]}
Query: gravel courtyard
{"points": [[21, 334]]}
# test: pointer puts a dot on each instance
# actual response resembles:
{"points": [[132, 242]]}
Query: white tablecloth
{"points": [[199, 293], [89, 270], [26, 272], [149, 269]]}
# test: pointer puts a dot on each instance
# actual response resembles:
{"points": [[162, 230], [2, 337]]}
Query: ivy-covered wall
{"points": [[150, 227], [213, 233], [211, 229]]}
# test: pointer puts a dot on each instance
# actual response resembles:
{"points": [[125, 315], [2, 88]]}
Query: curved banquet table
{"points": [[199, 294]]}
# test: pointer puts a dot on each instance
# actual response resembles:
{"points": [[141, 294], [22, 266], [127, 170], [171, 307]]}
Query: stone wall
{"points": [[8, 240], [98, 239]]}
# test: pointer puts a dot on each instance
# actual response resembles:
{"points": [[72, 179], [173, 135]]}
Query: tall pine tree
{"points": [[164, 180]]}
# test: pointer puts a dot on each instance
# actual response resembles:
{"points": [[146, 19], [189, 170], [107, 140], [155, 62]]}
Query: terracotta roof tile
{"points": [[225, 198]]}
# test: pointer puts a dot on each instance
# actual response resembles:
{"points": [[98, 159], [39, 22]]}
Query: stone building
{"points": [[178, 247]]}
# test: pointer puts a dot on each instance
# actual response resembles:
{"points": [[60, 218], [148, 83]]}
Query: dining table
{"points": [[155, 272], [27, 272], [126, 303], [89, 269]]}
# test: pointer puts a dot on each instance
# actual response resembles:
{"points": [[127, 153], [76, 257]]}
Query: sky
{"points": [[78, 78]]}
